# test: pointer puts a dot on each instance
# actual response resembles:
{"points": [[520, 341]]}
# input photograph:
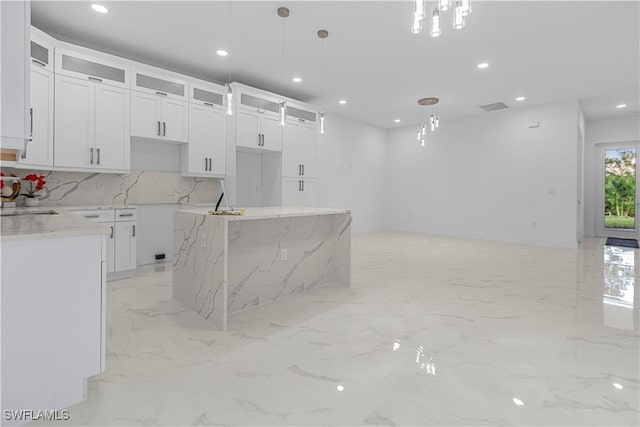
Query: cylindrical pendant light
{"points": [[435, 23]]}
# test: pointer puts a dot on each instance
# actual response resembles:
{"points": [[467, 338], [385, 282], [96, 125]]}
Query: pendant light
{"points": [[444, 5], [461, 9], [283, 12], [418, 16], [228, 89], [434, 121], [322, 35], [435, 23]]}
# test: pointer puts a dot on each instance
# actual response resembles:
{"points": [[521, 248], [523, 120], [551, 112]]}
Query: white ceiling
{"points": [[546, 51]]}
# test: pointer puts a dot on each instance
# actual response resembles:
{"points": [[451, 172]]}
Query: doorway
{"points": [[617, 191]]}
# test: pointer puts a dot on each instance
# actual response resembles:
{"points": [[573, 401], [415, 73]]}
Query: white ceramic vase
{"points": [[31, 201]]}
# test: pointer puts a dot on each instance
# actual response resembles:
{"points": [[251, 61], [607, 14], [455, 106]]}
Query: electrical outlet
{"points": [[203, 240], [100, 186], [283, 255]]}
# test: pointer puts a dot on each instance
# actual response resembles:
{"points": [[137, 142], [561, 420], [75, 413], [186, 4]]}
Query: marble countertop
{"points": [[270, 212], [33, 225]]}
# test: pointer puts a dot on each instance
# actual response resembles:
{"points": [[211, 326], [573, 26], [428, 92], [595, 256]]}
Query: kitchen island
{"points": [[225, 264], [52, 310]]}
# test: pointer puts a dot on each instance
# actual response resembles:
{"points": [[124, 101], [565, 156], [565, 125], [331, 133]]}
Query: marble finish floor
{"points": [[433, 331]]}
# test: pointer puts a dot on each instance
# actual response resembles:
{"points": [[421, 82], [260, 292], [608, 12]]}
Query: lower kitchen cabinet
{"points": [[122, 239], [299, 192]]}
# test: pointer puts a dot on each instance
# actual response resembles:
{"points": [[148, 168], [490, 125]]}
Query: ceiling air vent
{"points": [[493, 107]]}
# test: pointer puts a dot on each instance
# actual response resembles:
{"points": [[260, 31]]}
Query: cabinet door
{"points": [[291, 191], [309, 193], [74, 122], [248, 129], [111, 248], [307, 151], [197, 161], [271, 130], [291, 164], [39, 151], [175, 118], [216, 147], [125, 245], [146, 115], [112, 132]]}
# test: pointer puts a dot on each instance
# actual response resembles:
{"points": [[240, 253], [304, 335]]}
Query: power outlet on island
{"points": [[203, 240], [283, 255]]}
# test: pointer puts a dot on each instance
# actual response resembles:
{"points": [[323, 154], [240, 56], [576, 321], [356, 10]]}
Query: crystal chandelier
{"points": [[461, 9], [432, 124]]}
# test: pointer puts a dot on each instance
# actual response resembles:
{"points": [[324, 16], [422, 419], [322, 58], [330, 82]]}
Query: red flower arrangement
{"points": [[36, 183]]}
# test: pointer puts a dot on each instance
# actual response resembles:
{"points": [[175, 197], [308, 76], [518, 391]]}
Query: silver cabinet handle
{"points": [[133, 231], [302, 185], [95, 79], [302, 170], [111, 237], [209, 164], [158, 127], [91, 216], [125, 214], [35, 61], [299, 185], [164, 128], [208, 104], [260, 111], [263, 139], [31, 120], [161, 93], [206, 163], [98, 150], [91, 156]]}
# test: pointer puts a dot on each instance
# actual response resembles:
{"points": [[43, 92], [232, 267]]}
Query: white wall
{"points": [[490, 176], [352, 162], [621, 129]]}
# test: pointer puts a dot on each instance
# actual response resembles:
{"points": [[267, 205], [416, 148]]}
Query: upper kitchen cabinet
{"points": [[258, 122], [159, 108], [205, 154], [15, 120], [39, 151], [92, 111], [299, 142]]}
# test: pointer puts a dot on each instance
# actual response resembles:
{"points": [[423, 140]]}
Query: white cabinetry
{"points": [[15, 123], [122, 239], [299, 192], [299, 148], [92, 113], [258, 126], [62, 296], [159, 108], [205, 154], [39, 151]]}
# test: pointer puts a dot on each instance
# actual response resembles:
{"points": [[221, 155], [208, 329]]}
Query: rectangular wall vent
{"points": [[494, 107]]}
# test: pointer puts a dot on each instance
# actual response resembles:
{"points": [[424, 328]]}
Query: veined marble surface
{"points": [[112, 190], [432, 331], [34, 225], [222, 265], [270, 212]]}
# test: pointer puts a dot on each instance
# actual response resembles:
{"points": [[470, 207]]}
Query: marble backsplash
{"points": [[136, 187]]}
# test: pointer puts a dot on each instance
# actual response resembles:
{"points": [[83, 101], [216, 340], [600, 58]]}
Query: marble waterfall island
{"points": [[225, 264]]}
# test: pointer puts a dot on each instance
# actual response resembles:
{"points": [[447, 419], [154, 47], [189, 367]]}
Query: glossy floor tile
{"points": [[432, 331]]}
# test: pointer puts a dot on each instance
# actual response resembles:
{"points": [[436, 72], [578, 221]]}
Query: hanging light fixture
{"points": [[283, 12], [435, 23], [228, 89], [322, 35], [461, 10], [434, 121]]}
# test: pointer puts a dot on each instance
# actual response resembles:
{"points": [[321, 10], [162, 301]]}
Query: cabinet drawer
{"points": [[125, 215], [97, 215]]}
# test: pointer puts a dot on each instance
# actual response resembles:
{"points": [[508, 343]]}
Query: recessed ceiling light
{"points": [[618, 386], [518, 401], [340, 387], [99, 8], [222, 52], [621, 105], [520, 98], [342, 101], [483, 65], [297, 79], [397, 120]]}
